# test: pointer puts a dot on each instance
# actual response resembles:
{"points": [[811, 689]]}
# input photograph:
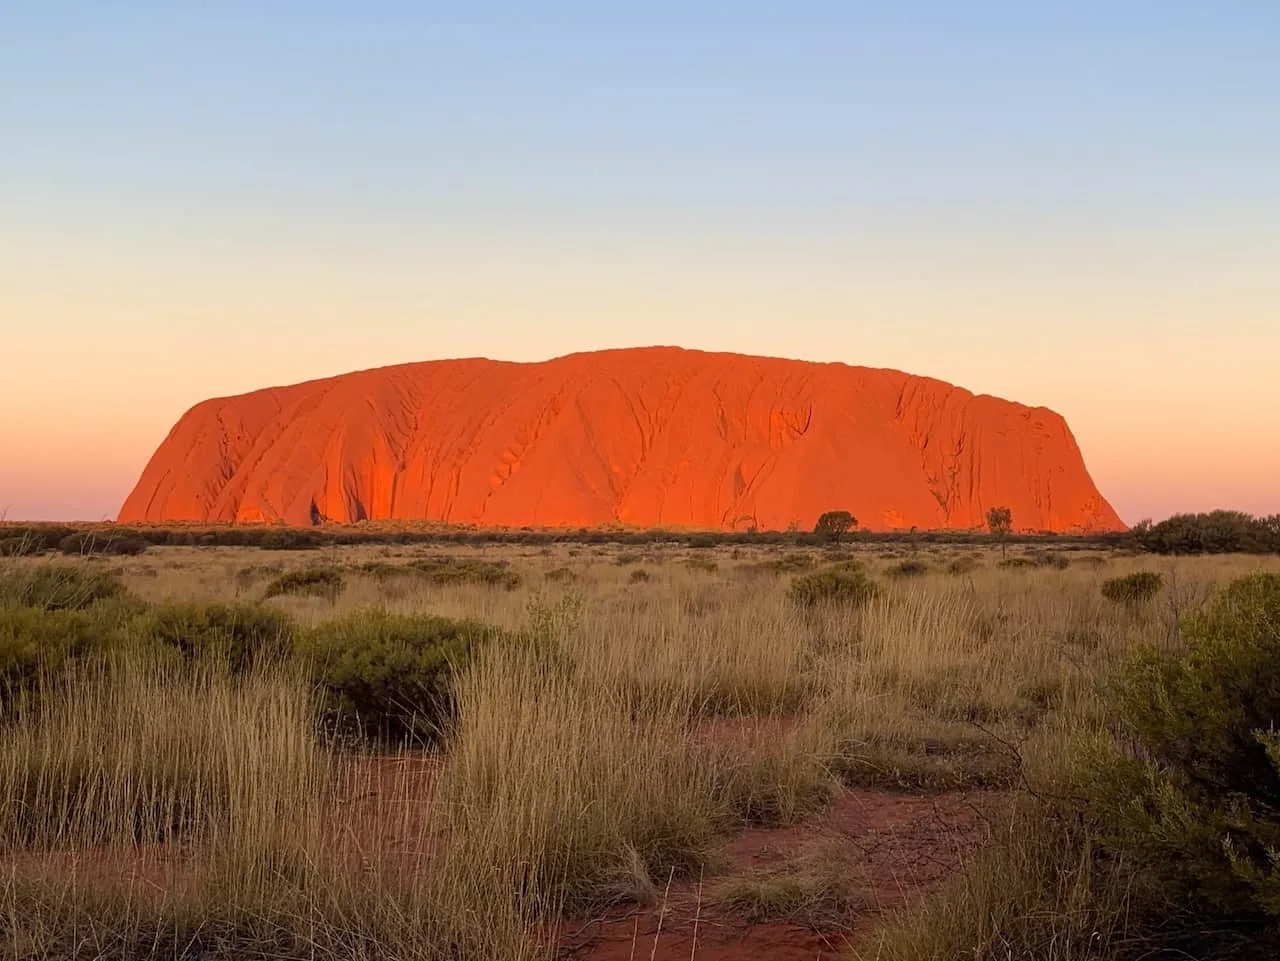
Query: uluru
{"points": [[642, 437]]}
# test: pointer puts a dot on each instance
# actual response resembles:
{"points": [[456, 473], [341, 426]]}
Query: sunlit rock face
{"points": [[645, 437]]}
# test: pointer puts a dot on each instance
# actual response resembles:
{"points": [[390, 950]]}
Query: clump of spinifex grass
{"points": [[134, 750], [1038, 890], [217, 782], [56, 587], [818, 888], [843, 583], [326, 582], [561, 788]]}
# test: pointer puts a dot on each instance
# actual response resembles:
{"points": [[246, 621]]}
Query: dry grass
{"points": [[574, 792], [153, 810], [819, 888], [1036, 892]]}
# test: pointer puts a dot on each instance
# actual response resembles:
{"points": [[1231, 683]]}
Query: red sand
{"points": [[645, 437], [899, 845]]}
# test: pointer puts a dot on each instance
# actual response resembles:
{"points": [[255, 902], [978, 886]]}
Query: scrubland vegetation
{"points": [[423, 752]]}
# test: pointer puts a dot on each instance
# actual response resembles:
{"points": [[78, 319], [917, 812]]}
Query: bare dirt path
{"points": [[899, 846]]}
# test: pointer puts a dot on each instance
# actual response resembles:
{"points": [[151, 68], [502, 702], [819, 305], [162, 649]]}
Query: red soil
{"points": [[385, 809], [645, 437], [900, 846]]}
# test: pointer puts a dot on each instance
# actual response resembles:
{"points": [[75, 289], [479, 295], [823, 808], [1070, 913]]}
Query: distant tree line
{"points": [[1215, 532], [108, 538]]}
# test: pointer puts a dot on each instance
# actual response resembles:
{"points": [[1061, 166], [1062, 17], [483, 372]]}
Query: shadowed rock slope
{"points": [[644, 437]]}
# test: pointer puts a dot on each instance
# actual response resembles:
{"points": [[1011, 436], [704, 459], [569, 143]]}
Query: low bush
{"points": [[245, 635], [58, 587], [1198, 802], [790, 563], [34, 538], [89, 543], [1018, 563], [326, 582], [16, 547], [908, 568], [963, 565], [390, 676], [639, 576], [290, 540], [1053, 559], [1136, 588], [1215, 532], [38, 643], [561, 575], [446, 571], [845, 583]]}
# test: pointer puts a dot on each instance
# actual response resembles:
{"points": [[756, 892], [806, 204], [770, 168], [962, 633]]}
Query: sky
{"points": [[1074, 205]]}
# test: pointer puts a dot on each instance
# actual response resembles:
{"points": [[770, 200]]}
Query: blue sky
{"points": [[1076, 206]]}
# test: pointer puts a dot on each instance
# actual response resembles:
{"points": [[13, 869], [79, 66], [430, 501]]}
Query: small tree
{"points": [[835, 524], [1000, 523]]}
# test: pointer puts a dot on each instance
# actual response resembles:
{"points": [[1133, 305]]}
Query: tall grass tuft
{"points": [[563, 790]]}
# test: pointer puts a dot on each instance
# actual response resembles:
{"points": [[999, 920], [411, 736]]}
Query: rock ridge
{"points": [[643, 437]]}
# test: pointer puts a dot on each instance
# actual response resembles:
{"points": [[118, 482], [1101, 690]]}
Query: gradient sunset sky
{"points": [[1077, 208]]}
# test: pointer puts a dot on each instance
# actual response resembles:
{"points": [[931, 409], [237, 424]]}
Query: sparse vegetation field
{"points": [[838, 748]]}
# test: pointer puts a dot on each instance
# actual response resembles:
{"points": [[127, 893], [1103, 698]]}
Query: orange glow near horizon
{"points": [[1171, 412], [1074, 209]]}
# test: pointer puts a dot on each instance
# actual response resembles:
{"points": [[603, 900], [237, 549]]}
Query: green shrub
{"points": [[845, 583], [16, 547], [105, 543], [1215, 532], [1018, 563], [1198, 802], [326, 582], [391, 675], [908, 568], [58, 587], [1136, 588], [446, 571], [40, 642], [35, 538], [246, 635], [1054, 559], [963, 565], [790, 563], [290, 540]]}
